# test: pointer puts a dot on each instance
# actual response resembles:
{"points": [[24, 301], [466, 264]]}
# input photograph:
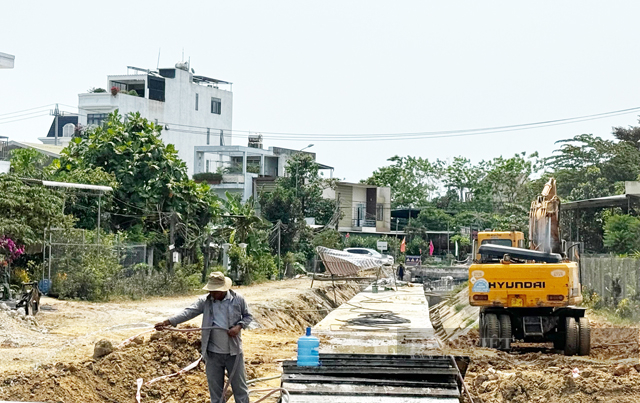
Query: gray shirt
{"points": [[219, 338], [238, 315]]}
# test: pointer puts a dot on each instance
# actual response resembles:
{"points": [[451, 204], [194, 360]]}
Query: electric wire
{"points": [[396, 136], [17, 120], [25, 110]]}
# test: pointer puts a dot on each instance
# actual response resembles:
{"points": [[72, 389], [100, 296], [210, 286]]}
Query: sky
{"points": [[345, 67]]}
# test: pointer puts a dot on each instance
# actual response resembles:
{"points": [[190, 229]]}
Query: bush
{"points": [[207, 177], [133, 92], [141, 281], [249, 268]]}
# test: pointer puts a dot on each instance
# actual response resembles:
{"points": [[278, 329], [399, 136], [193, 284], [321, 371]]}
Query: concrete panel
{"points": [[415, 337]]}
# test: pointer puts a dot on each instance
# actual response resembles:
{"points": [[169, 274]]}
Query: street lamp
{"points": [[300, 150]]}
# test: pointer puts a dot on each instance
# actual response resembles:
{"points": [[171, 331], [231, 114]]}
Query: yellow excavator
{"points": [[530, 294]]}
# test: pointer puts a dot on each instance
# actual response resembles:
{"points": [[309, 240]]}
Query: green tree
{"points": [[27, 210], [152, 185], [622, 233], [296, 196], [434, 219], [413, 181], [29, 163]]}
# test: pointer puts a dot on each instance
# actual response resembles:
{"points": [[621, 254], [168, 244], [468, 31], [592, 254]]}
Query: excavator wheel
{"points": [[572, 336], [584, 346], [491, 331], [505, 332]]}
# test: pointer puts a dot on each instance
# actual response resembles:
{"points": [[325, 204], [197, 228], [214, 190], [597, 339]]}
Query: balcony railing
{"points": [[355, 222]]}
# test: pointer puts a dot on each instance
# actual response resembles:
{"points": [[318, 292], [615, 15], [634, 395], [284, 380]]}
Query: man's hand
{"points": [[161, 325], [234, 331]]}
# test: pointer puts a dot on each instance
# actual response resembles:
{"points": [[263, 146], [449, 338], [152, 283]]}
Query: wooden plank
{"points": [[298, 378], [366, 390]]}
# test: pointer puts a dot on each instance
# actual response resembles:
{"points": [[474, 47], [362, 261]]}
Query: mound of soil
{"points": [[531, 373], [112, 378]]}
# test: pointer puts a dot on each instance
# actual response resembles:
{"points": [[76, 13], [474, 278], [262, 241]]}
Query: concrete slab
{"points": [[417, 336]]}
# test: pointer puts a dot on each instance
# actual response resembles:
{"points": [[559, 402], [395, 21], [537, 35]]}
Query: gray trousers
{"points": [[215, 364]]}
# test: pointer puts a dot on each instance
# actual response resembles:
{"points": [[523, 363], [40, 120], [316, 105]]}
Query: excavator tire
{"points": [[584, 346], [505, 332], [491, 331], [572, 336]]}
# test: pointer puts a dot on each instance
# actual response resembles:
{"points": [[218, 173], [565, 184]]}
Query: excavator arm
{"points": [[544, 220]]}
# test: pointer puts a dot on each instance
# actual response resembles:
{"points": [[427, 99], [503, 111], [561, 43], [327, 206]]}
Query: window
{"points": [[501, 242], [68, 130], [379, 212], [96, 118], [196, 101], [216, 106]]}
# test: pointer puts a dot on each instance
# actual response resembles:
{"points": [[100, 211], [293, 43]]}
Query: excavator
{"points": [[529, 295]]}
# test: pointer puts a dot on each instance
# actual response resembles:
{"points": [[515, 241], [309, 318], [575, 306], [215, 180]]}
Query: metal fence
{"points": [[66, 249], [611, 277]]}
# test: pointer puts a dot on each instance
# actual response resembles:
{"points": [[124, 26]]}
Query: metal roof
{"points": [[600, 202]]}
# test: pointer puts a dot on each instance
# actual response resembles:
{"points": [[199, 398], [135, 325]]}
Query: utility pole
{"points": [[99, 203], [279, 257], [56, 113], [172, 240]]}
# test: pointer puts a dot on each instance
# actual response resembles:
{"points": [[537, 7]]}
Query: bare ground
{"points": [[58, 366]]}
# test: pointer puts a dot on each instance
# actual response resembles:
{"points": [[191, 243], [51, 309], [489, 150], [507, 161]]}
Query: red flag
{"points": [[430, 248], [403, 245]]}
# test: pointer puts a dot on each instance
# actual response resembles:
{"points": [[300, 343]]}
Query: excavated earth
{"points": [[112, 378], [531, 373]]}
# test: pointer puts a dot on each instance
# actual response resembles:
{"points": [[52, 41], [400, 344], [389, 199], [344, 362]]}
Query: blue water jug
{"points": [[308, 355]]}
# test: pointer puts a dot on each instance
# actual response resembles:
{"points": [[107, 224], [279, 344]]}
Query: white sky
{"points": [[346, 67]]}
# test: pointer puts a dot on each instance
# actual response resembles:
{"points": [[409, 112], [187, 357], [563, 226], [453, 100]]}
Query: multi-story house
{"points": [[365, 208], [194, 110]]}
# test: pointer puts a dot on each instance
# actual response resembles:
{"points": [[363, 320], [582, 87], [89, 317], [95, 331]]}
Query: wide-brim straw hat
{"points": [[217, 282]]}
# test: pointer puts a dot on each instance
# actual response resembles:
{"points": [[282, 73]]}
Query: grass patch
{"points": [[460, 306]]}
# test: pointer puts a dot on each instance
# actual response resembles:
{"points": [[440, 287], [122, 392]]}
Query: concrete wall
{"points": [[187, 126]]}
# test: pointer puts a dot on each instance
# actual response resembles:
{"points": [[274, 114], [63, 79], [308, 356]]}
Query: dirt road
{"points": [[68, 330]]}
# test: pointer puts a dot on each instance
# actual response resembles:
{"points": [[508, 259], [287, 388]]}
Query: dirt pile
{"points": [[112, 378], [16, 328], [534, 374]]}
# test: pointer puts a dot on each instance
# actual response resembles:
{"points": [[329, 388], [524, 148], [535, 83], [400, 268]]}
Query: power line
{"points": [[201, 130], [25, 110], [17, 120]]}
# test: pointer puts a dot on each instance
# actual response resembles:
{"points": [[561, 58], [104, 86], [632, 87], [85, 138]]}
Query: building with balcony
{"points": [[245, 170], [193, 110], [365, 208]]}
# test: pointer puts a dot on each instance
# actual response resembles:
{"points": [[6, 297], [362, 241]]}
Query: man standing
{"points": [[226, 311]]}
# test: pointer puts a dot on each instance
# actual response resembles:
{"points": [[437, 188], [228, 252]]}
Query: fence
{"points": [[611, 277], [67, 250]]}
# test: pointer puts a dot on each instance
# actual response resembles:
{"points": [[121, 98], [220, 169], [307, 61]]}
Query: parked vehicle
{"points": [[386, 259]]}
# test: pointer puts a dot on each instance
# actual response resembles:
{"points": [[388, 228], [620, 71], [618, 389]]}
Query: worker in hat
{"points": [[226, 312]]}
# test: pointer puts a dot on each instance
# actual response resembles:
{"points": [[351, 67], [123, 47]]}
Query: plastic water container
{"points": [[308, 355]]}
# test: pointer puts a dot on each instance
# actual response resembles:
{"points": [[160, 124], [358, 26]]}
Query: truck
{"points": [[529, 294]]}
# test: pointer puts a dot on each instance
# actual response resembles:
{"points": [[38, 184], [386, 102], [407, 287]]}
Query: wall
{"points": [[346, 200], [384, 198]]}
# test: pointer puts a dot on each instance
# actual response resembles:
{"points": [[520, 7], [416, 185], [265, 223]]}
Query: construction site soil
{"points": [[112, 378], [530, 373]]}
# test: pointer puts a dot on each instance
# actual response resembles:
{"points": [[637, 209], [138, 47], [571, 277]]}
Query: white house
{"points": [[194, 110], [365, 208]]}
